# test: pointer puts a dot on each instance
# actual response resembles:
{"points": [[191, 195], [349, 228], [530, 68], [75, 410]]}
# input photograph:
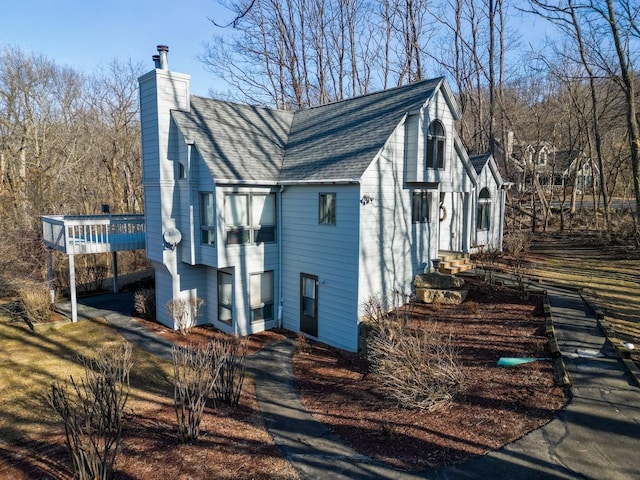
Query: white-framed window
{"points": [[483, 221], [420, 206], [543, 156], [250, 218], [182, 171], [261, 296], [207, 219], [225, 297], [327, 209], [435, 145]]}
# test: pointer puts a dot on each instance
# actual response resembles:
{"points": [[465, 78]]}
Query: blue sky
{"points": [[83, 34]]}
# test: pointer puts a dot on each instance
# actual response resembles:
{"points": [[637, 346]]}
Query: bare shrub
{"points": [[144, 303], [486, 260], [195, 372], [471, 307], [518, 244], [397, 307], [419, 369], [90, 274], [178, 310], [184, 313], [302, 344], [195, 308], [92, 411], [624, 229], [36, 301], [93, 277], [231, 355]]}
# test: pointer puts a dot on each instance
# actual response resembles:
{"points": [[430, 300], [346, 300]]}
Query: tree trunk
{"points": [[632, 119]]}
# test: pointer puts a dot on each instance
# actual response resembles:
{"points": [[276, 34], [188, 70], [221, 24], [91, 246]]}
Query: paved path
{"points": [[597, 436]]}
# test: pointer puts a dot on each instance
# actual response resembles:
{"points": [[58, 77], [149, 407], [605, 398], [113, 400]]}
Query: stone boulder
{"points": [[438, 281], [447, 297], [436, 287]]}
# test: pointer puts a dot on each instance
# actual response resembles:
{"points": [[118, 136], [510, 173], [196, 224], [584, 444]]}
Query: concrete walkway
{"points": [[597, 436]]}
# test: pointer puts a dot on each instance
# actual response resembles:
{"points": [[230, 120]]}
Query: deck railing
{"points": [[78, 234]]}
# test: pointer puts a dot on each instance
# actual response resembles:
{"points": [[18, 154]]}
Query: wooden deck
{"points": [[90, 234], [80, 234]]}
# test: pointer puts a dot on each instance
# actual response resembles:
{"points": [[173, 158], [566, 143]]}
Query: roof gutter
{"points": [[271, 183], [337, 181]]}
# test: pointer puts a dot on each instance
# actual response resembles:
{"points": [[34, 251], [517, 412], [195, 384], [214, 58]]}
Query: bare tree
{"points": [[295, 54], [626, 77], [113, 98], [604, 53]]}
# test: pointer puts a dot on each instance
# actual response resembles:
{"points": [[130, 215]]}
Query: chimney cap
{"points": [[162, 62]]}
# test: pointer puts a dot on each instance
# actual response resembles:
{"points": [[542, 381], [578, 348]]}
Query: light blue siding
{"points": [[452, 223], [164, 292], [373, 248], [392, 248], [155, 246], [413, 161], [329, 252], [245, 260], [490, 239], [439, 109]]}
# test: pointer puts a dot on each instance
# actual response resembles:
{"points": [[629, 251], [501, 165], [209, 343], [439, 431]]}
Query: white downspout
{"points": [[503, 197], [280, 226]]}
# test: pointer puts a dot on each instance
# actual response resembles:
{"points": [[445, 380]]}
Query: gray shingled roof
{"points": [[337, 141], [237, 142], [479, 161]]}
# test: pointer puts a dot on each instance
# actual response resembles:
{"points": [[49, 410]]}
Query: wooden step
{"points": [[454, 262], [456, 269], [445, 256]]}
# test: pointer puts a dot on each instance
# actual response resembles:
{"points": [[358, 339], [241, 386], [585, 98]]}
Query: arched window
{"points": [[435, 145], [543, 156], [483, 220]]}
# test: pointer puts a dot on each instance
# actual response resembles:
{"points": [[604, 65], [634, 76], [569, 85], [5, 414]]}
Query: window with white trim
{"points": [[261, 296], [327, 203], [225, 297], [435, 145], [250, 218], [207, 219], [483, 222], [420, 206]]}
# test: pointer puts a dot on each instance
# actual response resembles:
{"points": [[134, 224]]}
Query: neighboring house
{"points": [[552, 168], [294, 219], [579, 171]]}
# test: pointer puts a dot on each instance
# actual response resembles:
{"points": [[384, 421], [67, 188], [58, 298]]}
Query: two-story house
{"points": [[294, 219]]}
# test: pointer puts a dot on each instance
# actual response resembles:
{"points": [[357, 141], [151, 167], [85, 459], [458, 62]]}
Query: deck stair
{"points": [[454, 262]]}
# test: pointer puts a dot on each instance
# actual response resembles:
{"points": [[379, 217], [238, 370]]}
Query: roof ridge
{"points": [[377, 92]]}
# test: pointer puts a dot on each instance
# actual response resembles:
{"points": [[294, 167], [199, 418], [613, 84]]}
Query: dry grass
{"points": [[36, 301], [234, 443], [610, 275]]}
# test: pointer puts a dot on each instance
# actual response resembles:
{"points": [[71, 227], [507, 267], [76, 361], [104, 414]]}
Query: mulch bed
{"points": [[498, 405]]}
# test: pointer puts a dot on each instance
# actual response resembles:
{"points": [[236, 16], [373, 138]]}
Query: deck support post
{"points": [[52, 289], [72, 288], [114, 256]]}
